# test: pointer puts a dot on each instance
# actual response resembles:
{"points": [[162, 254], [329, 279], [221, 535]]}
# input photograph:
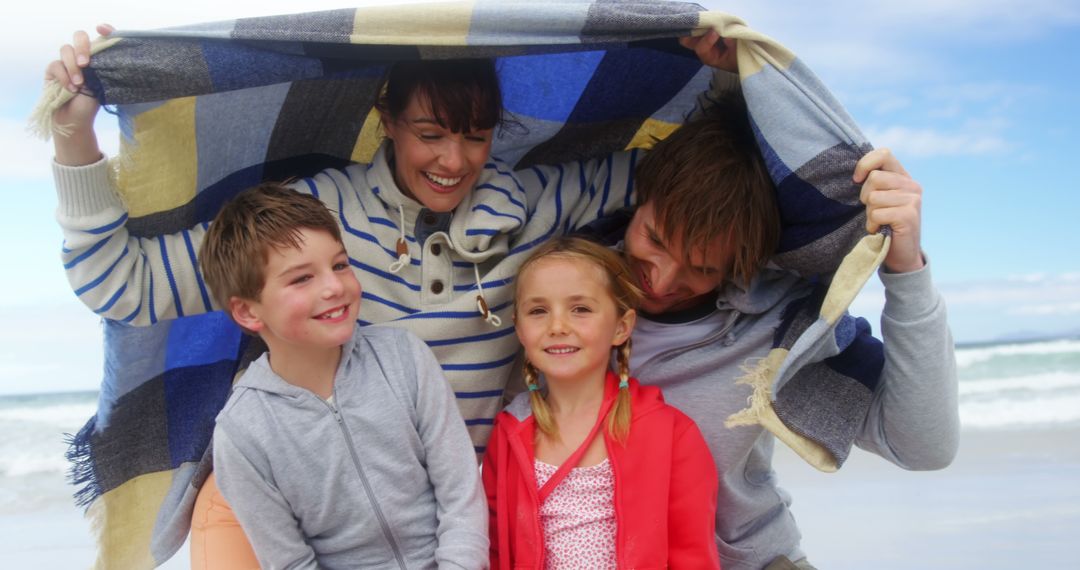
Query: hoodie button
{"points": [[436, 287], [436, 249]]}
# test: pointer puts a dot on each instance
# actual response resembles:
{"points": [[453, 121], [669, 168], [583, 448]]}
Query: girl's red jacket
{"points": [[665, 488]]}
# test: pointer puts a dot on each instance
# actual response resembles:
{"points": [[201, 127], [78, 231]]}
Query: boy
{"points": [[342, 447]]}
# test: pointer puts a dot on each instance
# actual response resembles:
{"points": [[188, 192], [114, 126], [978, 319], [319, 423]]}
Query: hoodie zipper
{"points": [[642, 371], [367, 486]]}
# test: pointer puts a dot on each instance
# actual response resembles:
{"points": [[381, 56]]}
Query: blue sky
{"points": [[977, 98]]}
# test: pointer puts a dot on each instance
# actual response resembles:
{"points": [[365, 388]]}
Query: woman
{"points": [[435, 229]]}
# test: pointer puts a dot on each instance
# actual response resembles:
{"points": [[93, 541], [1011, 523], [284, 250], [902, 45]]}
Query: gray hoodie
{"points": [[382, 476], [912, 418]]}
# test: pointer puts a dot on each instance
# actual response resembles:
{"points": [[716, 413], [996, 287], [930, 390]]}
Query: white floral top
{"points": [[578, 517]]}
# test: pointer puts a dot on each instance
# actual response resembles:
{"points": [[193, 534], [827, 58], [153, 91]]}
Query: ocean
{"points": [[1019, 386]]}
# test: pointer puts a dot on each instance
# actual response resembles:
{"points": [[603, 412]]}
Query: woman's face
{"points": [[433, 165]]}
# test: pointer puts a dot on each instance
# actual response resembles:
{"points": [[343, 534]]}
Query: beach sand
{"points": [[1010, 500]]}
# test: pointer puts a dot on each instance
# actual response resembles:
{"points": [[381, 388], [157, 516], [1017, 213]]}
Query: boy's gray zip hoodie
{"points": [[382, 476], [912, 420]]}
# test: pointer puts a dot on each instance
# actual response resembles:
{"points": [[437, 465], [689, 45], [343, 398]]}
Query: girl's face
{"points": [[433, 165], [567, 320]]}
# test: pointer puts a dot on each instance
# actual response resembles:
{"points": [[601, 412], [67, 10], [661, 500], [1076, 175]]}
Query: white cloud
{"points": [[982, 18], [996, 20], [929, 142], [897, 43], [961, 119], [1062, 289], [25, 157], [1028, 278], [1046, 309], [49, 348], [889, 103], [40, 28], [28, 158], [1037, 304]]}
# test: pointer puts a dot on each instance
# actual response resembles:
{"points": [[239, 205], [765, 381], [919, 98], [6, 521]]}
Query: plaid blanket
{"points": [[293, 94]]}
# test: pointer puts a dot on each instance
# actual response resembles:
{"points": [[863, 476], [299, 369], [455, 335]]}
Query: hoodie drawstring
{"points": [[402, 247], [481, 303], [403, 259]]}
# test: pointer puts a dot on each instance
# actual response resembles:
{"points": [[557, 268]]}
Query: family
{"points": [[349, 444]]}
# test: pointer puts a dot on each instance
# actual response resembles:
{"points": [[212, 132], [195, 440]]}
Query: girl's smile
{"points": [[567, 320]]}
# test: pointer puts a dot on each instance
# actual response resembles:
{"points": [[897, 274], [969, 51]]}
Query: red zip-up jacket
{"points": [[665, 487]]}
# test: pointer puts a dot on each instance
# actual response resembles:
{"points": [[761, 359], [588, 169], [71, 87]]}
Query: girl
{"points": [[594, 470]]}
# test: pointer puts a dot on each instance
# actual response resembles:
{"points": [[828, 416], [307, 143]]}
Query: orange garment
{"points": [[217, 541]]}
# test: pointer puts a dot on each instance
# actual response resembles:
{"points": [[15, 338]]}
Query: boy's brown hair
{"points": [[236, 248], [708, 180]]}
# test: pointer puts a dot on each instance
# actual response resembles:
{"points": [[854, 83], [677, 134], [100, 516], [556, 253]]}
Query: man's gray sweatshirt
{"points": [[912, 420]]}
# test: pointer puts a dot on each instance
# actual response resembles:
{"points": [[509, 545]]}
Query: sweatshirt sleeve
{"points": [[692, 504], [914, 417], [116, 275], [566, 196], [462, 511], [263, 512], [122, 277]]}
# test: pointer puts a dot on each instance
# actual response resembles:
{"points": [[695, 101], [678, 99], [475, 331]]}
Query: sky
{"points": [[978, 100]]}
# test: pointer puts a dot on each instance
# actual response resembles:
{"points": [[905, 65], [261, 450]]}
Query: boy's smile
{"points": [[310, 298]]}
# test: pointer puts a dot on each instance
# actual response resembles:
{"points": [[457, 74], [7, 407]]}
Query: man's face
{"points": [[660, 266]]}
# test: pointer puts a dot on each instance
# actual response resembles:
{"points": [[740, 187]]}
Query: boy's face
{"points": [[660, 267], [310, 299]]}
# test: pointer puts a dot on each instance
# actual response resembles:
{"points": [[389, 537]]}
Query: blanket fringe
{"points": [[759, 377], [54, 96], [760, 411], [82, 474]]}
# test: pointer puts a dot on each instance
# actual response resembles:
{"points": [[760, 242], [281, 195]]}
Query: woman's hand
{"points": [[80, 146]]}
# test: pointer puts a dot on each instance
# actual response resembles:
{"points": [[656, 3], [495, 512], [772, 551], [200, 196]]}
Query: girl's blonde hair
{"points": [[627, 297]]}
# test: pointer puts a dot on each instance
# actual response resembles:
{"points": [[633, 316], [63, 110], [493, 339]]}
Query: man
{"points": [[705, 226]]}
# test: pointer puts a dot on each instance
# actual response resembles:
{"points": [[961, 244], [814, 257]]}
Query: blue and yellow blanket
{"points": [[207, 110]]}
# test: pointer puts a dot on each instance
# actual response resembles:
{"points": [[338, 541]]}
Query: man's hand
{"points": [[713, 50], [892, 198]]}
